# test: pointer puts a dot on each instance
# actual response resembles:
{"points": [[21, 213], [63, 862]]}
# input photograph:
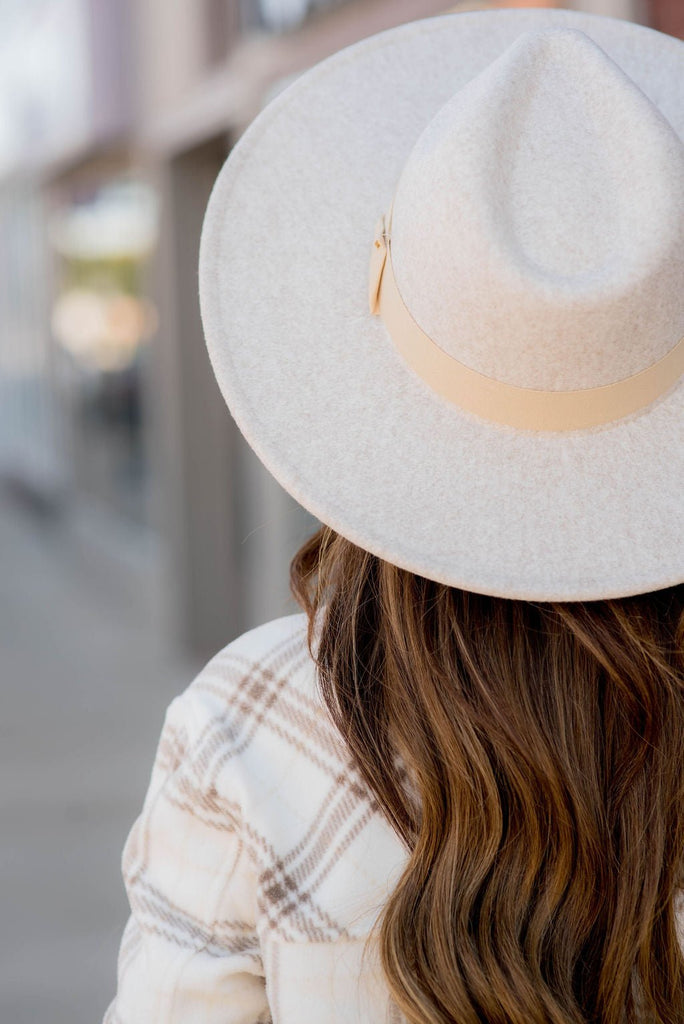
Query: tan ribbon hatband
{"points": [[525, 408]]}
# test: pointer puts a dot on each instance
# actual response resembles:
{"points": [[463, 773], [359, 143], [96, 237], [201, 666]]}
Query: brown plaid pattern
{"points": [[260, 859]]}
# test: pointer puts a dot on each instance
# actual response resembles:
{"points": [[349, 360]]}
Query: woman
{"points": [[450, 790]]}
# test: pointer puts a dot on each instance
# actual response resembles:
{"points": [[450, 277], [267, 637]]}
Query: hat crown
{"points": [[538, 222]]}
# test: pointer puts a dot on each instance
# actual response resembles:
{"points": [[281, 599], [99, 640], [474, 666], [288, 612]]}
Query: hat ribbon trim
{"points": [[475, 392]]}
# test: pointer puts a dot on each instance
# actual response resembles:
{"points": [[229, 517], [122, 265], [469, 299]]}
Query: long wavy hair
{"points": [[541, 798]]}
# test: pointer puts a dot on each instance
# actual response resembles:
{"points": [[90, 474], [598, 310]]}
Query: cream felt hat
{"points": [[442, 288]]}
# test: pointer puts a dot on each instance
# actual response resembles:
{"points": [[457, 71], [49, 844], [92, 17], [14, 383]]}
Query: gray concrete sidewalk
{"points": [[84, 680]]}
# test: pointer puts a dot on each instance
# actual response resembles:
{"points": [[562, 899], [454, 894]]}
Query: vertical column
{"points": [[193, 498], [228, 528], [668, 16]]}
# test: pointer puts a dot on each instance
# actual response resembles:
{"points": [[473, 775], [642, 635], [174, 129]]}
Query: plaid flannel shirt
{"points": [[260, 859]]}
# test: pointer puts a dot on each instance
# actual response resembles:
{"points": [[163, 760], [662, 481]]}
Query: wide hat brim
{"points": [[319, 390]]}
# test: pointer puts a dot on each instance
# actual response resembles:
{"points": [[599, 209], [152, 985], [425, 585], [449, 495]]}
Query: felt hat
{"points": [[442, 289]]}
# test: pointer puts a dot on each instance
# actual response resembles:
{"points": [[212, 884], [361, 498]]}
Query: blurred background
{"points": [[138, 532]]}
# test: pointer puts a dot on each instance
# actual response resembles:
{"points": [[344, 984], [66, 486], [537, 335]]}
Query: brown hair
{"points": [[542, 800]]}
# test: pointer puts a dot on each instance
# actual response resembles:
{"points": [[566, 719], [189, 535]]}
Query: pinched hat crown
{"points": [[527, 239]]}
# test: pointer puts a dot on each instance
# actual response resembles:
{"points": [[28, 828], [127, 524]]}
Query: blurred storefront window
{"points": [[101, 323], [44, 78], [31, 447], [282, 15]]}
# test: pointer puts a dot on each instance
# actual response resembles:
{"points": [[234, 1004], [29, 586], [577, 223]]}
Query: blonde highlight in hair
{"points": [[530, 756]]}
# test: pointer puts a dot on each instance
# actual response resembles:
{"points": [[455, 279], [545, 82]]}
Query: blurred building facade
{"points": [[121, 116]]}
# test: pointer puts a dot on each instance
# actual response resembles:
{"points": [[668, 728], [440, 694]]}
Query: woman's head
{"points": [[540, 793], [467, 351]]}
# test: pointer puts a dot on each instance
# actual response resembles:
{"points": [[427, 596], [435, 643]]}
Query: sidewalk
{"points": [[85, 680]]}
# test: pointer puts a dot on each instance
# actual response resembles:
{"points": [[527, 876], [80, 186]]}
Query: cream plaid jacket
{"points": [[259, 860]]}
